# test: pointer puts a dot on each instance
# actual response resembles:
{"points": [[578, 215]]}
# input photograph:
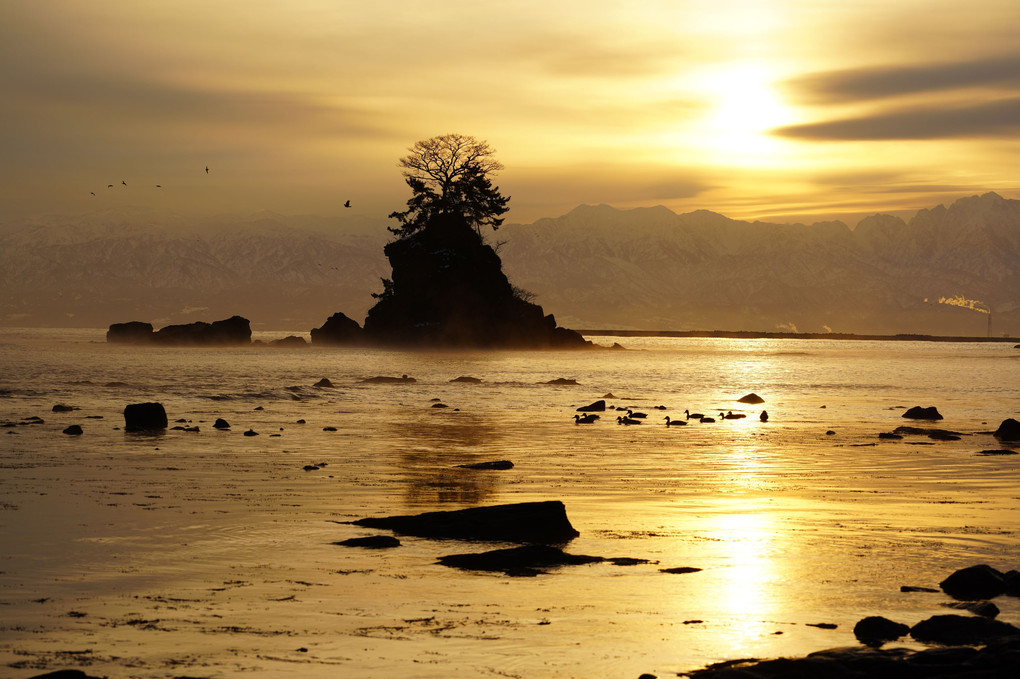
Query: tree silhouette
{"points": [[450, 174]]}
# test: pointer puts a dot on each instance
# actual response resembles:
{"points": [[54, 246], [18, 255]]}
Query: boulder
{"points": [[220, 423], [919, 413], [540, 522], [385, 379], [338, 330], [876, 630], [983, 608], [466, 380], [323, 384], [596, 407], [61, 408], [751, 398], [144, 417], [965, 630], [974, 583], [132, 332], [1009, 430], [73, 430]]}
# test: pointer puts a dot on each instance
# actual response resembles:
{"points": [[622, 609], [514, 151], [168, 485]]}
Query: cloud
{"points": [[894, 81], [987, 119]]}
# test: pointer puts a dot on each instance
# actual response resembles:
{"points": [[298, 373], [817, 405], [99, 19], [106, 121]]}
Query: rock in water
{"points": [[144, 417], [596, 407], [220, 423], [751, 398], [528, 560], [132, 332], [919, 413], [338, 329], [494, 464], [233, 330], [448, 289], [541, 522], [371, 542], [952, 630], [1009, 430], [73, 430], [974, 583], [876, 630]]}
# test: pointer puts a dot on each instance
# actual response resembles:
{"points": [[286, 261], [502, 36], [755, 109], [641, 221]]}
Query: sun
{"points": [[743, 104]]}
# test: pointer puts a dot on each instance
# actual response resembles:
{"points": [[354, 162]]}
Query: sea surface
{"points": [[211, 553]]}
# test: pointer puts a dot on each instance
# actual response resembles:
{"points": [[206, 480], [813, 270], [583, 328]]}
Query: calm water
{"points": [[209, 553]]}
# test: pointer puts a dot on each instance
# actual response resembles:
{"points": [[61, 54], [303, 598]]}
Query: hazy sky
{"points": [[752, 108]]}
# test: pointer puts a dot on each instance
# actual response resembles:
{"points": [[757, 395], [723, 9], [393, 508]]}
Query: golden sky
{"points": [[783, 110]]}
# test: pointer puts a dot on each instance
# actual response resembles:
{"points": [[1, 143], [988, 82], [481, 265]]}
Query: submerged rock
{"points": [[751, 398], [495, 464], [371, 542], [596, 407], [324, 384], [74, 430], [61, 408], [540, 522], [466, 379], [384, 379], [144, 417], [528, 560], [964, 630]]}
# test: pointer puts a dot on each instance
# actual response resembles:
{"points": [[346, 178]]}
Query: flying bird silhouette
{"points": [[159, 186], [92, 192], [123, 182], [347, 204], [109, 186], [207, 169]]}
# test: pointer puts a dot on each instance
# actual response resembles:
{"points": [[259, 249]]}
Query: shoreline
{"points": [[753, 334]]}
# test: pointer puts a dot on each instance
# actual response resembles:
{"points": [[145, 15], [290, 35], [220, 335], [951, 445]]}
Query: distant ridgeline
{"points": [[448, 289], [234, 330]]}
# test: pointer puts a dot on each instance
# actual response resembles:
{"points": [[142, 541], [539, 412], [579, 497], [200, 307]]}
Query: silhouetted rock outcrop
{"points": [[974, 583], [338, 329], [1009, 430], [448, 289], [876, 630], [132, 332], [541, 522], [919, 413], [144, 417]]}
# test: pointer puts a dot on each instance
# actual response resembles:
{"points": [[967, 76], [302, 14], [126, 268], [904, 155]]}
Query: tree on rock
{"points": [[451, 175]]}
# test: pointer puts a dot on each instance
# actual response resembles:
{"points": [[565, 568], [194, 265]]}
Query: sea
{"points": [[200, 552]]}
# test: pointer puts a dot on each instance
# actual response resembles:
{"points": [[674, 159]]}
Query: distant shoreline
{"points": [[749, 334]]}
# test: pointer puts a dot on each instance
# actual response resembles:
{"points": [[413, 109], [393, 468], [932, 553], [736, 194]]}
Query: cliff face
{"points": [[448, 289]]}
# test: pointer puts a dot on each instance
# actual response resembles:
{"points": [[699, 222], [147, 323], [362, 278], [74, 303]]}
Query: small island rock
{"points": [[144, 417]]}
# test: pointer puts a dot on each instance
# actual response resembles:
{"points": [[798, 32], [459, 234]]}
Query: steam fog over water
{"points": [[210, 553]]}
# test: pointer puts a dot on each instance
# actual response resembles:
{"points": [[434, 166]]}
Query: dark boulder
{"points": [[338, 330], [132, 332], [323, 384], [220, 423], [448, 289], [919, 413], [231, 331], [1009, 430], [596, 407], [144, 417], [74, 430], [951, 630], [876, 630], [386, 379], [541, 522], [985, 609], [61, 408], [65, 674], [974, 583], [465, 379], [371, 542], [751, 398], [528, 560]]}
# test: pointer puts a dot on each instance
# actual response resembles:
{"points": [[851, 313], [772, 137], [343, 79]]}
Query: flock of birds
{"points": [[633, 417], [159, 186]]}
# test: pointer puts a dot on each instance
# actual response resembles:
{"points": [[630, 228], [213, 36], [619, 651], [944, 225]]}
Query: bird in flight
{"points": [[347, 204], [159, 186], [207, 169], [92, 192], [109, 186], [123, 182]]}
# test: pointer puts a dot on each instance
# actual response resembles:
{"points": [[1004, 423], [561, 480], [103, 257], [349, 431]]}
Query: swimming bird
{"points": [[159, 186], [730, 415], [674, 423], [627, 420], [693, 416], [347, 204], [706, 420], [764, 417], [585, 419], [631, 413]]}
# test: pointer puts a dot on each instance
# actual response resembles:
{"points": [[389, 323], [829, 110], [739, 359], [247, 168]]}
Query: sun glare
{"points": [[743, 105]]}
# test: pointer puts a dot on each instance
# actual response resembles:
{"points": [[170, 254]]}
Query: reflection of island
{"points": [[436, 442]]}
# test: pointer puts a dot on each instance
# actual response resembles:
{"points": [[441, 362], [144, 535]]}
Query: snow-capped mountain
{"points": [[596, 267]]}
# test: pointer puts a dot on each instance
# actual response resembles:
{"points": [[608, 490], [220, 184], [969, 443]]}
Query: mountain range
{"points": [[948, 270]]}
